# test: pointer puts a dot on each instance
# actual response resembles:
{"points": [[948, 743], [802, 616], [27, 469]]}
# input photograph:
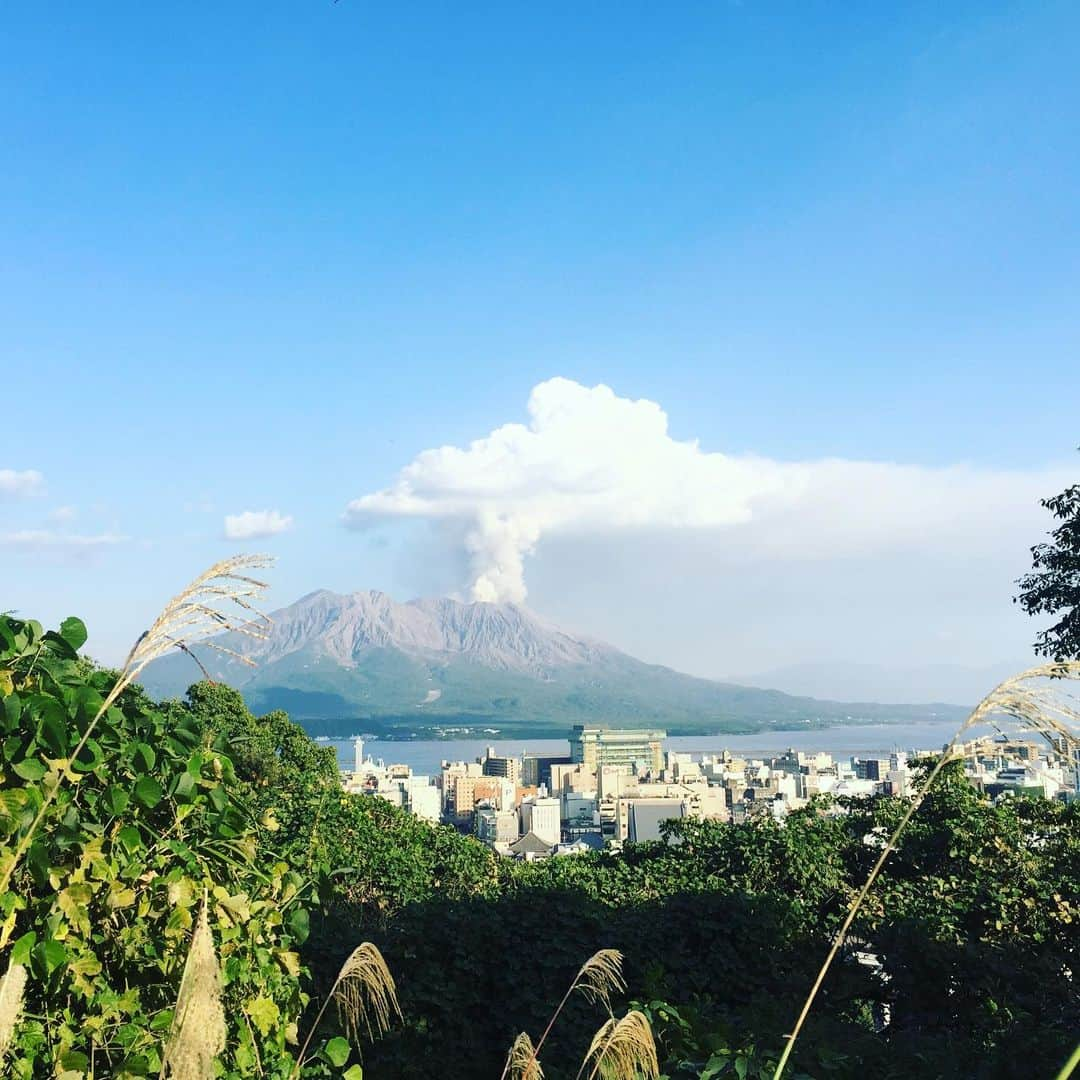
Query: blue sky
{"points": [[261, 256]]}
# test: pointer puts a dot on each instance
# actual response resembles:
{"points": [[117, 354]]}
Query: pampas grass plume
{"points": [[623, 1049], [601, 976], [12, 986], [198, 1031], [365, 992], [598, 978], [521, 1062]]}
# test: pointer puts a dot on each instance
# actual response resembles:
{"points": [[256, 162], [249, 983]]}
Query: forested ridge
{"points": [[723, 927]]}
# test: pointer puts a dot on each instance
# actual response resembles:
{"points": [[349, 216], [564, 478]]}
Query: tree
{"points": [[1053, 585]]}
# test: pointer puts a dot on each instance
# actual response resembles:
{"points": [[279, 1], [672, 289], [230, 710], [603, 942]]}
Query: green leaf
{"points": [[37, 859], [116, 799], [20, 951], [337, 1051], [264, 1014], [48, 956], [353, 1072], [185, 785], [145, 756], [299, 925], [148, 792], [52, 728], [13, 802], [31, 769], [73, 631], [130, 837], [90, 757], [139, 1065], [60, 646], [163, 1021]]}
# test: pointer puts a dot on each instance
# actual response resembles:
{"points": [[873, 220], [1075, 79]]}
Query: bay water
{"points": [[425, 756]]}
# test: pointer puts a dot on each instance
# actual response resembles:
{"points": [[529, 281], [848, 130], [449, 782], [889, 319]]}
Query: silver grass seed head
{"points": [[623, 1049], [199, 1030], [12, 988], [600, 977], [521, 1062], [365, 992], [222, 598]]}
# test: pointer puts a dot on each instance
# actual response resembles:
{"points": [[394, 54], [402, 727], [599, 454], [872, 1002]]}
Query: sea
{"points": [[425, 756]]}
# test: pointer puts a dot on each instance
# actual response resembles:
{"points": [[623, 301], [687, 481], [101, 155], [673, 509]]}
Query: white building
{"points": [[425, 799], [542, 817]]}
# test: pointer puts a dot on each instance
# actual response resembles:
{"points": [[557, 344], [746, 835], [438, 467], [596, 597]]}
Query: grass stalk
{"points": [[598, 978], [365, 993], [1070, 1066]]}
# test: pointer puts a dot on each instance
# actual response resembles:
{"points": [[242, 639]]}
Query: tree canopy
{"points": [[1052, 587]]}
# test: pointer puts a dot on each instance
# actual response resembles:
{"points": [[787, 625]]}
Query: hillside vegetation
{"points": [[722, 926]]}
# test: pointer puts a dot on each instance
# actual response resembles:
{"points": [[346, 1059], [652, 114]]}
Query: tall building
{"points": [[493, 765], [572, 778], [425, 799], [536, 769], [452, 771], [629, 748], [870, 768]]}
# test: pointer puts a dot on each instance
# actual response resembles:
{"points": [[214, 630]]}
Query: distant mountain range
{"points": [[924, 682], [362, 661]]}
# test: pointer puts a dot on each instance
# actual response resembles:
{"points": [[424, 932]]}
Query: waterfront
{"points": [[424, 756]]}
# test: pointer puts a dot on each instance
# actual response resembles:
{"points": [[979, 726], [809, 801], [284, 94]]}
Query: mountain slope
{"points": [[332, 660]]}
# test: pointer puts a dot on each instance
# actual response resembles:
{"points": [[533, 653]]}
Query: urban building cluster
{"points": [[620, 785]]}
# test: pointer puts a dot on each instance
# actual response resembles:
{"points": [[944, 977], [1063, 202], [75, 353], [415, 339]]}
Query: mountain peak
{"points": [[342, 626], [363, 654]]}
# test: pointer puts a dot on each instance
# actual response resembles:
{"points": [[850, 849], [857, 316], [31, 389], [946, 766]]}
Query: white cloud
{"points": [[590, 463], [63, 514], [32, 540], [25, 483], [254, 524]]}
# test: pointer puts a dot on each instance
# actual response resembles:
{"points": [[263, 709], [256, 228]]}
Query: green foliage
{"points": [[691, 1048], [1053, 585], [973, 922], [723, 924], [269, 751], [144, 822]]}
